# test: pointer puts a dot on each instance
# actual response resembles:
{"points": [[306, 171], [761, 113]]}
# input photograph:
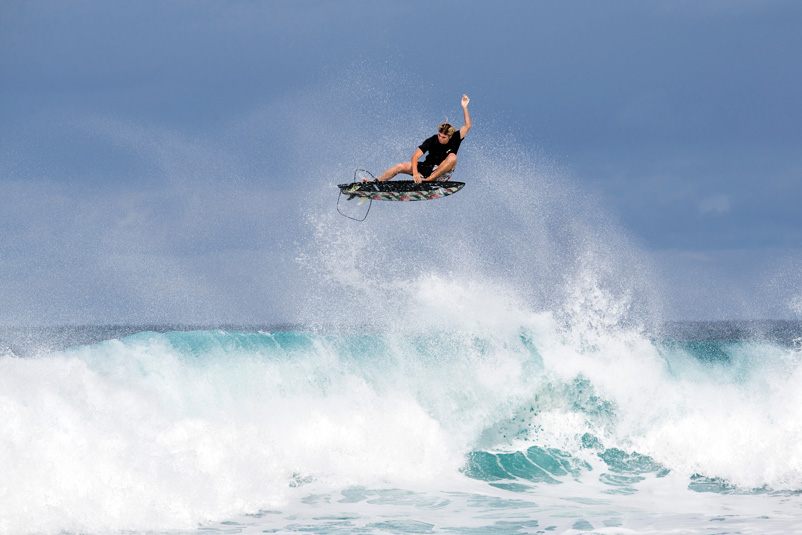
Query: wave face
{"points": [[166, 431]]}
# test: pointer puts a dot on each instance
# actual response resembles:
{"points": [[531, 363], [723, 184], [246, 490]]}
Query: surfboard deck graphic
{"points": [[400, 190]]}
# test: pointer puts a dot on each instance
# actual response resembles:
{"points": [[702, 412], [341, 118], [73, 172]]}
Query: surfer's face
{"points": [[442, 138]]}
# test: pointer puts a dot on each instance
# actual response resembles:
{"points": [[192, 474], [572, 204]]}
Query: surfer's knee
{"points": [[450, 162]]}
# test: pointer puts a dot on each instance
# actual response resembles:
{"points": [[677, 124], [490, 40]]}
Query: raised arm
{"points": [[467, 126]]}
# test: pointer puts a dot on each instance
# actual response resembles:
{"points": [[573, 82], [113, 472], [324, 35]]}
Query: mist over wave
{"points": [[520, 228]]}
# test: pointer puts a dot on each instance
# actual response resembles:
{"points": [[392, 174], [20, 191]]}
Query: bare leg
{"points": [[448, 165], [403, 167]]}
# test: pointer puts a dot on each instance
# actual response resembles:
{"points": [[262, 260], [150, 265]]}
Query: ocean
{"points": [[521, 425]]}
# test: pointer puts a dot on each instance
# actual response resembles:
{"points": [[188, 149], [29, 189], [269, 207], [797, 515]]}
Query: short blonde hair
{"points": [[446, 129]]}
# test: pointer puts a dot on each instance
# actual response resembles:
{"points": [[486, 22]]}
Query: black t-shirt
{"points": [[438, 151]]}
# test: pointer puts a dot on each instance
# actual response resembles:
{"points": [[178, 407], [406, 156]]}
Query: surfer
{"points": [[442, 153]]}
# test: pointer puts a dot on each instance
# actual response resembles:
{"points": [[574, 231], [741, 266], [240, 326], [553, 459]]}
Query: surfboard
{"points": [[400, 190]]}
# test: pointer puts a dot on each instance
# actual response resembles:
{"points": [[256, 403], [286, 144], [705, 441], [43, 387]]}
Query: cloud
{"points": [[716, 205], [694, 256]]}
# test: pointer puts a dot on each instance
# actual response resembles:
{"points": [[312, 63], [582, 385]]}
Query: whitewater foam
{"points": [[159, 432]]}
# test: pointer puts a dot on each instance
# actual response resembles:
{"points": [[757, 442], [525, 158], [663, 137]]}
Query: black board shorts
{"points": [[426, 169]]}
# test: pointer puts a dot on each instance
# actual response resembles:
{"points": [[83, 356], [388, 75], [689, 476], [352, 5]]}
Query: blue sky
{"points": [[153, 153]]}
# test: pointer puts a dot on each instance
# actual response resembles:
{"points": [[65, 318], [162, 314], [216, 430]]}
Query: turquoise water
{"points": [[532, 430]]}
